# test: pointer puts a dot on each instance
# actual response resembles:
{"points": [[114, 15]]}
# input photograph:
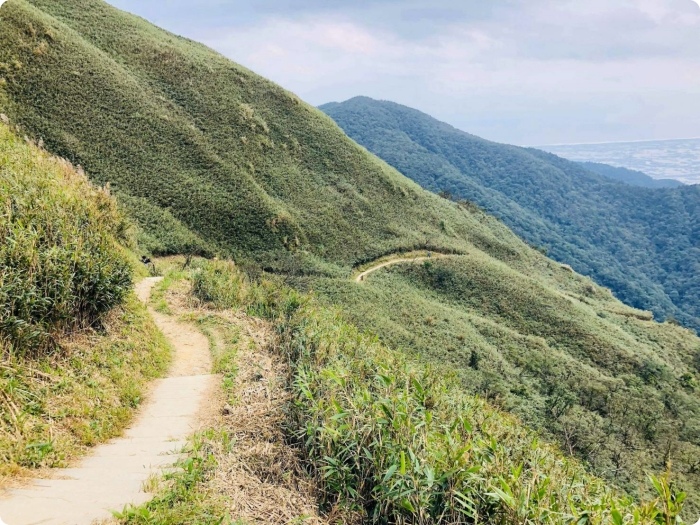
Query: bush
{"points": [[393, 441], [61, 266], [219, 283]]}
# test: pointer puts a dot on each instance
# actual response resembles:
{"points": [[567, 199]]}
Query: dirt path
{"points": [[398, 260], [114, 474]]}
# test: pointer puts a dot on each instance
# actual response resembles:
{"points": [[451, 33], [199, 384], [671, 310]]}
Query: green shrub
{"points": [[61, 266], [397, 442], [218, 283]]}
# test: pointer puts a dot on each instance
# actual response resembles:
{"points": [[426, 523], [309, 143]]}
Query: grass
{"points": [[61, 267], [391, 440], [250, 170], [601, 379], [241, 164], [637, 241], [54, 408], [77, 349], [237, 470]]}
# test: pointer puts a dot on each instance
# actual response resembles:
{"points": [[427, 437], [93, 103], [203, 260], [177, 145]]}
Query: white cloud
{"points": [[540, 71]]}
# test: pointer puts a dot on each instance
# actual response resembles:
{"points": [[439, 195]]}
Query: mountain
{"points": [[632, 177], [641, 243], [208, 157]]}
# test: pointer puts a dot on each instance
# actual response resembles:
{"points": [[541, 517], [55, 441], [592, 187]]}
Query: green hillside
{"points": [[639, 242], [211, 158], [222, 150], [631, 177]]}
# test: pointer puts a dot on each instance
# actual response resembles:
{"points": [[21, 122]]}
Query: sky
{"points": [[528, 72]]}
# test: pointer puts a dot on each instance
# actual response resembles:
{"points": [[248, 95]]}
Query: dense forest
{"points": [[641, 243]]}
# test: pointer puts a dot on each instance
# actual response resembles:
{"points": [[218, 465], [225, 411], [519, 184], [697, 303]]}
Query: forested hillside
{"points": [[641, 243], [632, 177], [211, 158]]}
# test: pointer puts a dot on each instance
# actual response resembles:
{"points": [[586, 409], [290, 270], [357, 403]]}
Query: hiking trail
{"points": [[113, 475], [409, 258]]}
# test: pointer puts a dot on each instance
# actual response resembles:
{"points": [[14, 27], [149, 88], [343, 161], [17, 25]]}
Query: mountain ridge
{"points": [[532, 191]]}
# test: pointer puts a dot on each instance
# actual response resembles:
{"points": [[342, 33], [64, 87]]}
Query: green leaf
{"points": [[617, 517], [390, 472]]}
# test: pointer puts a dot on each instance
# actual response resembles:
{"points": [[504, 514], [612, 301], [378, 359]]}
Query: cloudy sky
{"points": [[519, 71]]}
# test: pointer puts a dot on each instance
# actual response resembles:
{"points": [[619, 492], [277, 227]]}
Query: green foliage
{"points": [[209, 156], [218, 283], [160, 233], [179, 502], [601, 379], [61, 266], [393, 441], [639, 242], [53, 408], [249, 169], [632, 177]]}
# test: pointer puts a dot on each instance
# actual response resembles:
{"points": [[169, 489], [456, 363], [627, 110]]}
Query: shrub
{"points": [[61, 266], [219, 283]]}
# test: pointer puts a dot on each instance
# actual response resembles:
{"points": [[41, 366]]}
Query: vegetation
{"points": [[641, 243], [56, 274], [240, 468], [77, 348], [632, 177], [613, 387], [393, 441], [54, 407], [239, 166]]}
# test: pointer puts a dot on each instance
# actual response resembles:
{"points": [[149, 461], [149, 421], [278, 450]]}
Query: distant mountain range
{"points": [[677, 159], [632, 177], [641, 243]]}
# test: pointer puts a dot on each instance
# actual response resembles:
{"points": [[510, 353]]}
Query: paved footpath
{"points": [[113, 475]]}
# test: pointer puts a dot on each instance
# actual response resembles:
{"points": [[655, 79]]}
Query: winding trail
{"points": [[114, 474], [360, 277]]}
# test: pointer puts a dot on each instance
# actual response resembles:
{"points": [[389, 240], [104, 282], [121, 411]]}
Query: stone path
{"points": [[114, 474]]}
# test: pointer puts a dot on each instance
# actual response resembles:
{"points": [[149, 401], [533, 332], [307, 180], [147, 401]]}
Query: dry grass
{"points": [[54, 408], [261, 475]]}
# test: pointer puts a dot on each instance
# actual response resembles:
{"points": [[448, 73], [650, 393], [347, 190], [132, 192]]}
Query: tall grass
{"points": [[394, 441], [61, 266]]}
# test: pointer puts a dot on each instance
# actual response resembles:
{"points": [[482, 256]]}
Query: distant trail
{"points": [[398, 260], [113, 475]]}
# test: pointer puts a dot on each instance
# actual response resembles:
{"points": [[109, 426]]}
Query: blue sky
{"points": [[518, 71]]}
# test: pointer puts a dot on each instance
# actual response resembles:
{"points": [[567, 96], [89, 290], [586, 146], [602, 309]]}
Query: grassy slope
{"points": [[64, 387], [430, 453], [637, 241], [226, 152], [249, 168], [57, 406]]}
